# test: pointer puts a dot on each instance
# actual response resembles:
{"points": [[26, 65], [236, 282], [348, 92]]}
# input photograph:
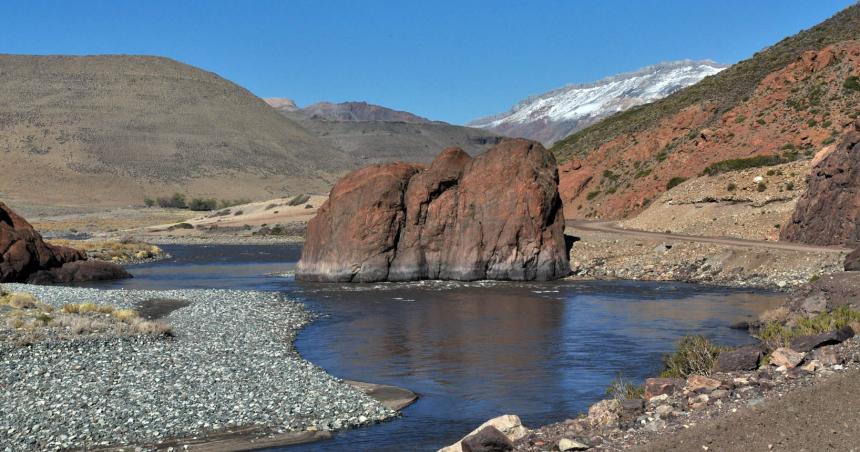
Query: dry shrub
{"points": [[125, 315], [21, 301], [779, 314], [695, 355]]}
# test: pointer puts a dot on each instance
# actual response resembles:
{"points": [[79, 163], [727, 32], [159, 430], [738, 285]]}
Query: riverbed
{"points": [[473, 351]]}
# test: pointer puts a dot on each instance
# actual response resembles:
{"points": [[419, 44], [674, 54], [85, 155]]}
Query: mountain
{"points": [[789, 101], [554, 115], [112, 129], [375, 134], [359, 111]]}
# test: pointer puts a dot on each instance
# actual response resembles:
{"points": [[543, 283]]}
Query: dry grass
{"points": [[30, 320], [779, 332], [112, 250], [695, 355]]}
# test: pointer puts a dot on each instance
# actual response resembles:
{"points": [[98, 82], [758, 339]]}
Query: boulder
{"points": [[807, 343], [739, 359], [496, 216], [828, 356], [828, 213], [698, 383], [786, 357], [567, 444], [510, 425], [604, 413], [488, 439], [26, 257], [852, 261], [659, 386]]}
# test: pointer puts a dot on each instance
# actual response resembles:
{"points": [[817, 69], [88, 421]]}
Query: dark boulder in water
{"points": [[497, 216]]}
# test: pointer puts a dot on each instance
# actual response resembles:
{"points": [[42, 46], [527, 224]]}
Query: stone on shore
{"points": [[659, 386], [786, 357], [566, 444], [497, 216], [697, 383], [605, 412], [510, 425], [743, 358], [488, 439], [807, 343], [26, 257]]}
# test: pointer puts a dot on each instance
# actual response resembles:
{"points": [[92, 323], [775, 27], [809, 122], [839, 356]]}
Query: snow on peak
{"points": [[554, 115]]}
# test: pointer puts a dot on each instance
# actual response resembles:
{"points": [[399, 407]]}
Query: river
{"points": [[473, 351]]}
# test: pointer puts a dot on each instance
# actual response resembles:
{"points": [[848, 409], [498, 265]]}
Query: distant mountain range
{"points": [[556, 114], [375, 134]]}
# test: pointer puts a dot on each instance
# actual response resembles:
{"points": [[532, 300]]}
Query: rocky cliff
{"points": [[496, 216], [829, 212], [25, 257]]}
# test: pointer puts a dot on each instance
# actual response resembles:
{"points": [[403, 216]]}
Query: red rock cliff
{"points": [[497, 216]]}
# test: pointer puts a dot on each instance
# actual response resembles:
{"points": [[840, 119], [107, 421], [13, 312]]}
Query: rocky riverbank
{"points": [[807, 356], [229, 363]]}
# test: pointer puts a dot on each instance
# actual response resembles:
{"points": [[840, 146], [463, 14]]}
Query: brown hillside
{"points": [[792, 113], [112, 129]]}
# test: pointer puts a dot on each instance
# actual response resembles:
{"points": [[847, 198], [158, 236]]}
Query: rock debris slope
{"points": [[497, 216]]}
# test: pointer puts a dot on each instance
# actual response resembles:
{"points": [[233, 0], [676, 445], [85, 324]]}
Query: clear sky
{"points": [[446, 60]]}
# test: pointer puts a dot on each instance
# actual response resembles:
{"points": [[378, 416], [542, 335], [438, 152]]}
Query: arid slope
{"points": [[112, 129]]}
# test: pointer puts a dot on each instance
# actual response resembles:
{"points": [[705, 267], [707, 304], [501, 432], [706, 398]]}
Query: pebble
{"points": [[231, 362]]}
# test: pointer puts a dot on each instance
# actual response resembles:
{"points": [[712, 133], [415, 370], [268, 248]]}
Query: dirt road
{"points": [[611, 228]]}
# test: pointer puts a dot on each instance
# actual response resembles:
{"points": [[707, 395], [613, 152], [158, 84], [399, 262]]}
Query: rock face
{"points": [[497, 216], [829, 212], [25, 257]]}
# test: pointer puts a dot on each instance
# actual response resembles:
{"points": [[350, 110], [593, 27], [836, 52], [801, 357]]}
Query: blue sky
{"points": [[447, 60]]}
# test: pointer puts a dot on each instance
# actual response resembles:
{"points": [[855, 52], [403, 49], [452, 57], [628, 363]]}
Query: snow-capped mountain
{"points": [[554, 115]]}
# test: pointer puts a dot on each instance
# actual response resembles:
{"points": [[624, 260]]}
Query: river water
{"points": [[473, 351]]}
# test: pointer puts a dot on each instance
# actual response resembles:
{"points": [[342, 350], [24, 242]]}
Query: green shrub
{"points": [[852, 83], [674, 182], [740, 119], [760, 121], [695, 355], [742, 164], [829, 140], [761, 187], [789, 186], [148, 202], [177, 201], [200, 204], [731, 186], [592, 195], [770, 172], [298, 200], [642, 173], [812, 123]]}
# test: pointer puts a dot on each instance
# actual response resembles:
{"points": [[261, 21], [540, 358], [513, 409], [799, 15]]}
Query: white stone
{"points": [[566, 444], [509, 424]]}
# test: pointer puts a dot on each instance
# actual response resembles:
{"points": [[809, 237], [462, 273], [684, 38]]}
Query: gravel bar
{"points": [[231, 363]]}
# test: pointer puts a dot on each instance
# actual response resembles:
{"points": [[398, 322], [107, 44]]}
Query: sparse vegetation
{"points": [[112, 250], [742, 164], [777, 333], [30, 320], [695, 355], [731, 187], [674, 182], [760, 187], [298, 200], [180, 201], [852, 83], [623, 389], [592, 195]]}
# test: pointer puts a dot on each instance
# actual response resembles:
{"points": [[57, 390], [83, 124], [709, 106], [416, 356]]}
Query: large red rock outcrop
{"points": [[497, 216], [25, 257], [829, 212]]}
